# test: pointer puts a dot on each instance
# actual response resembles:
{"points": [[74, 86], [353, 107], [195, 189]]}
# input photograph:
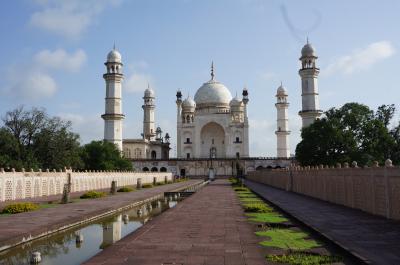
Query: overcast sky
{"points": [[53, 55]]}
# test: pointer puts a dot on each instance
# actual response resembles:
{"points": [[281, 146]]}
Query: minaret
{"points": [[245, 101], [309, 85], [282, 132], [113, 108], [178, 121], [149, 130]]}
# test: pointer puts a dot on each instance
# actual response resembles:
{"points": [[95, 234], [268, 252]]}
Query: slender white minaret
{"points": [[113, 108], [282, 132], [309, 85], [178, 121], [149, 130], [245, 101]]}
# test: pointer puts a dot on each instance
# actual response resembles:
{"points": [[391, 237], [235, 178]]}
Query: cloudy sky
{"points": [[53, 54]]}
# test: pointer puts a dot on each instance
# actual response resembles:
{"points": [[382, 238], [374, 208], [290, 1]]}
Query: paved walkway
{"points": [[14, 228], [374, 238], [208, 228]]}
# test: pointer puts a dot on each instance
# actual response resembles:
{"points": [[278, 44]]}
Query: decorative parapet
{"points": [[22, 185], [374, 189]]}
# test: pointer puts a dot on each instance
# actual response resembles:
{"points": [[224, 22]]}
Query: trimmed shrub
{"points": [[92, 194], [146, 186], [20, 207], [125, 189]]}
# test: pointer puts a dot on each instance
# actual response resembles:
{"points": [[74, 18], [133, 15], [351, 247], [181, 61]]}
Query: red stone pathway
{"points": [[14, 228], [208, 228]]}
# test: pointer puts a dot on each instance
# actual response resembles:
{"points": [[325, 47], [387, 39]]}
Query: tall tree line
{"points": [[33, 139], [352, 132]]}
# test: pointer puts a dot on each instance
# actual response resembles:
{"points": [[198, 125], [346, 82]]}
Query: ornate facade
{"points": [[213, 125]]}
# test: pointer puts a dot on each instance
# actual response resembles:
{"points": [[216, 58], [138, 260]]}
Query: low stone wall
{"points": [[21, 185], [374, 190]]}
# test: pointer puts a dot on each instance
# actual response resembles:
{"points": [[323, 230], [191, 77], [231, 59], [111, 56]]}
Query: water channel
{"points": [[65, 247]]}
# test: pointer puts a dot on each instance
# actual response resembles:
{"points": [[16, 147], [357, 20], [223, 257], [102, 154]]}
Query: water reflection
{"points": [[79, 244]]}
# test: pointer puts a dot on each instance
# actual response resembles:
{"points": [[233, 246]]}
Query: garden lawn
{"points": [[287, 239], [271, 217], [300, 258]]}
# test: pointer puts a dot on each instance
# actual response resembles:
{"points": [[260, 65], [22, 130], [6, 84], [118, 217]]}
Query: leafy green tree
{"points": [[39, 141], [9, 150], [351, 133], [56, 146], [103, 155]]}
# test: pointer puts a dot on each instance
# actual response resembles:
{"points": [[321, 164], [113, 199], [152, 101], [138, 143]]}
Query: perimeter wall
{"points": [[374, 190], [21, 185]]}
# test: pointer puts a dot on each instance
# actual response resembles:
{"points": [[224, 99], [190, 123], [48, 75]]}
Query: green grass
{"points": [[300, 258], [48, 205], [250, 200], [287, 239], [125, 189], [271, 217], [256, 207], [146, 186], [241, 189]]}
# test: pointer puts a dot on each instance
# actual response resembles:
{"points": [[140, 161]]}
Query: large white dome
{"points": [[212, 92]]}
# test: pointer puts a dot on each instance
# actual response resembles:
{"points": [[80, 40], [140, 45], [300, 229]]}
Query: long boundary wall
{"points": [[374, 190], [22, 185]]}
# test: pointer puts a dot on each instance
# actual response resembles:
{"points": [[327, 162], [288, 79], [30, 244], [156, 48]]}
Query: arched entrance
{"points": [[212, 137]]}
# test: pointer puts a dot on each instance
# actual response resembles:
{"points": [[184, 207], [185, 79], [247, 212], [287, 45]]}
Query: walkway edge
{"points": [[92, 218], [351, 253]]}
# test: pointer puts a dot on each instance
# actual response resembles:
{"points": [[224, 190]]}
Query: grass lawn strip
{"points": [[271, 217], [287, 239], [300, 258]]}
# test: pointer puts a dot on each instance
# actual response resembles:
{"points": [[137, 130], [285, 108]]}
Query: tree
{"points": [[39, 141], [350, 133], [103, 155]]}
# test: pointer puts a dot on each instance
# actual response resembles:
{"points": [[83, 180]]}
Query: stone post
{"points": [[65, 196], [388, 164], [165, 179], [139, 183], [113, 190], [154, 181]]}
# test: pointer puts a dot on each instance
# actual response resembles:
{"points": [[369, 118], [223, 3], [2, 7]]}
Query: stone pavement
{"points": [[374, 238], [14, 228], [208, 228]]}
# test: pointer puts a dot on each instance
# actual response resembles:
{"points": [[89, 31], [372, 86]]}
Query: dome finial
{"points": [[307, 40], [212, 70]]}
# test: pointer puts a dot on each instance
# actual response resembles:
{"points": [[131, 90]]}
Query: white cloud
{"points": [[361, 59], [263, 139], [33, 81], [32, 85], [89, 127], [69, 18], [137, 82], [60, 59]]}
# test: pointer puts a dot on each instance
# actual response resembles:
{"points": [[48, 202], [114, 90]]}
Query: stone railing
{"points": [[374, 189], [22, 185]]}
